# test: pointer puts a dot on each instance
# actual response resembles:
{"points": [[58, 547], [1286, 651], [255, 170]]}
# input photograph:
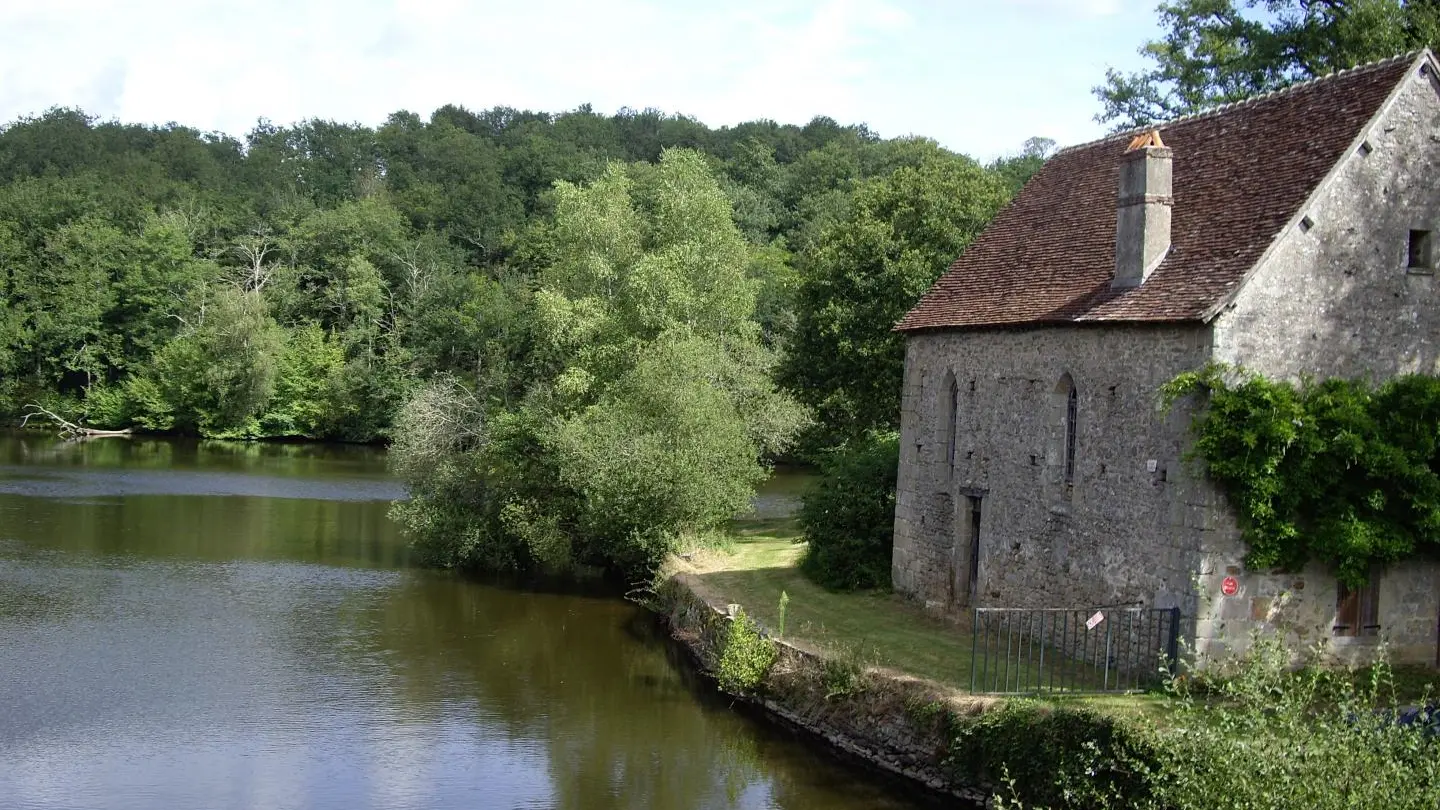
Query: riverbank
{"points": [[934, 735], [893, 722], [871, 674], [885, 683]]}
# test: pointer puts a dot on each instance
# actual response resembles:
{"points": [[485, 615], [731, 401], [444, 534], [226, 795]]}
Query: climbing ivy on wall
{"points": [[1339, 471]]}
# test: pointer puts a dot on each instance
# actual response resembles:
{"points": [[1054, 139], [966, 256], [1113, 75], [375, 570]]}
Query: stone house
{"points": [[1291, 234]]}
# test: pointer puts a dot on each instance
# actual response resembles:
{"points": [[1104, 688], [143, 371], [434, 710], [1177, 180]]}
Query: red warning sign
{"points": [[1229, 586]]}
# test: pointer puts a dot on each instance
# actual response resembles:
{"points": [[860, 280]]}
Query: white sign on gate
{"points": [[1095, 620]]}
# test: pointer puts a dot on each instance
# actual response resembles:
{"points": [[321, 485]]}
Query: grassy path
{"points": [[874, 629], [880, 629]]}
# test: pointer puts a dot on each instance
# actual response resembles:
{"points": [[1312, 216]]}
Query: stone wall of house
{"points": [[1301, 605], [1336, 298], [1131, 527]]}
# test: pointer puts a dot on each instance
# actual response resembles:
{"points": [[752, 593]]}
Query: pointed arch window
{"points": [[952, 416], [1072, 412], [1062, 444]]}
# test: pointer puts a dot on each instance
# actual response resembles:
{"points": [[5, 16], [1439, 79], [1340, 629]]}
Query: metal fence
{"points": [[1109, 649]]}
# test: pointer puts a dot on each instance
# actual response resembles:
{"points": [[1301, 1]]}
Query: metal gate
{"points": [[1108, 649]]}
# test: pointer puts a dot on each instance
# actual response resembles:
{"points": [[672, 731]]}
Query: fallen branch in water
{"points": [[68, 430]]}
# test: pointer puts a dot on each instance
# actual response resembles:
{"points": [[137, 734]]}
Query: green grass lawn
{"points": [[878, 629], [881, 629]]}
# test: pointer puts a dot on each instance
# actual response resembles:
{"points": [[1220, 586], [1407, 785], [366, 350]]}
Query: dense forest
{"points": [[584, 333], [302, 281]]}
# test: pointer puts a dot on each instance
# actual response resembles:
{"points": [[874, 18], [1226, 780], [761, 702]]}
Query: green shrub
{"points": [[107, 407], [746, 657], [1055, 756], [1337, 470], [843, 675], [1261, 736], [849, 515], [923, 712]]}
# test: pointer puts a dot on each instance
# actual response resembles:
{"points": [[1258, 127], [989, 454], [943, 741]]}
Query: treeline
{"points": [[586, 335], [302, 281]]}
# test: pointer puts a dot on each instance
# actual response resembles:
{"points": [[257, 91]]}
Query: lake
{"points": [[225, 625]]}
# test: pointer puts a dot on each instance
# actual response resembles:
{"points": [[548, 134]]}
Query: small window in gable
{"points": [[1421, 251], [1357, 610]]}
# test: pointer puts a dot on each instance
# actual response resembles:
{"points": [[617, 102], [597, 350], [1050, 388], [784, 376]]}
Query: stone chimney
{"points": [[1142, 222]]}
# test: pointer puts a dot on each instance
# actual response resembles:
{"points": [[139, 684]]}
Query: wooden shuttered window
{"points": [[1357, 610]]}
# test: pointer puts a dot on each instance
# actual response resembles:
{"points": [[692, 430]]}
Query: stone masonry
{"points": [[1039, 546], [1336, 298], [985, 516]]}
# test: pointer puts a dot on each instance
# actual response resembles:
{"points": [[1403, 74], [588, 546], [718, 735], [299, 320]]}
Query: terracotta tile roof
{"points": [[1240, 174]]}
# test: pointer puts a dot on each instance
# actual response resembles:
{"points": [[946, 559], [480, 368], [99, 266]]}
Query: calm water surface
{"points": [[188, 625]]}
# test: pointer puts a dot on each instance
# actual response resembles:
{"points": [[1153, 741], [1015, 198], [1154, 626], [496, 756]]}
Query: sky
{"points": [[979, 76]]}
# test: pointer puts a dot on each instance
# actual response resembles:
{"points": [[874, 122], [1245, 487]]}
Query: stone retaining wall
{"points": [[895, 723]]}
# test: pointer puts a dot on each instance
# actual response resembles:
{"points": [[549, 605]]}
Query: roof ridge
{"points": [[1411, 56]]}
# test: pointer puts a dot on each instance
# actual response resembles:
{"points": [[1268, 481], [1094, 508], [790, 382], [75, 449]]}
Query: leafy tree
{"points": [[444, 178], [752, 179], [772, 267], [866, 271], [158, 277], [217, 375], [59, 142], [1016, 171], [849, 515], [442, 439], [306, 398], [662, 451], [341, 161], [1215, 52], [64, 295], [648, 311], [817, 188], [336, 275], [647, 403]]}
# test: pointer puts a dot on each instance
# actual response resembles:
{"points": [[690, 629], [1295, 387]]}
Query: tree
{"points": [[386, 256], [848, 515], [307, 399], [158, 278], [865, 272], [648, 406], [1017, 170], [216, 377], [445, 178], [1215, 52]]}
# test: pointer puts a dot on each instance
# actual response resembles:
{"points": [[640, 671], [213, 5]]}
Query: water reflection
{"points": [[166, 645]]}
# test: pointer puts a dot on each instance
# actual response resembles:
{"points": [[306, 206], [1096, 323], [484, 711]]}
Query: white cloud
{"points": [[1083, 8], [209, 65], [219, 65]]}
